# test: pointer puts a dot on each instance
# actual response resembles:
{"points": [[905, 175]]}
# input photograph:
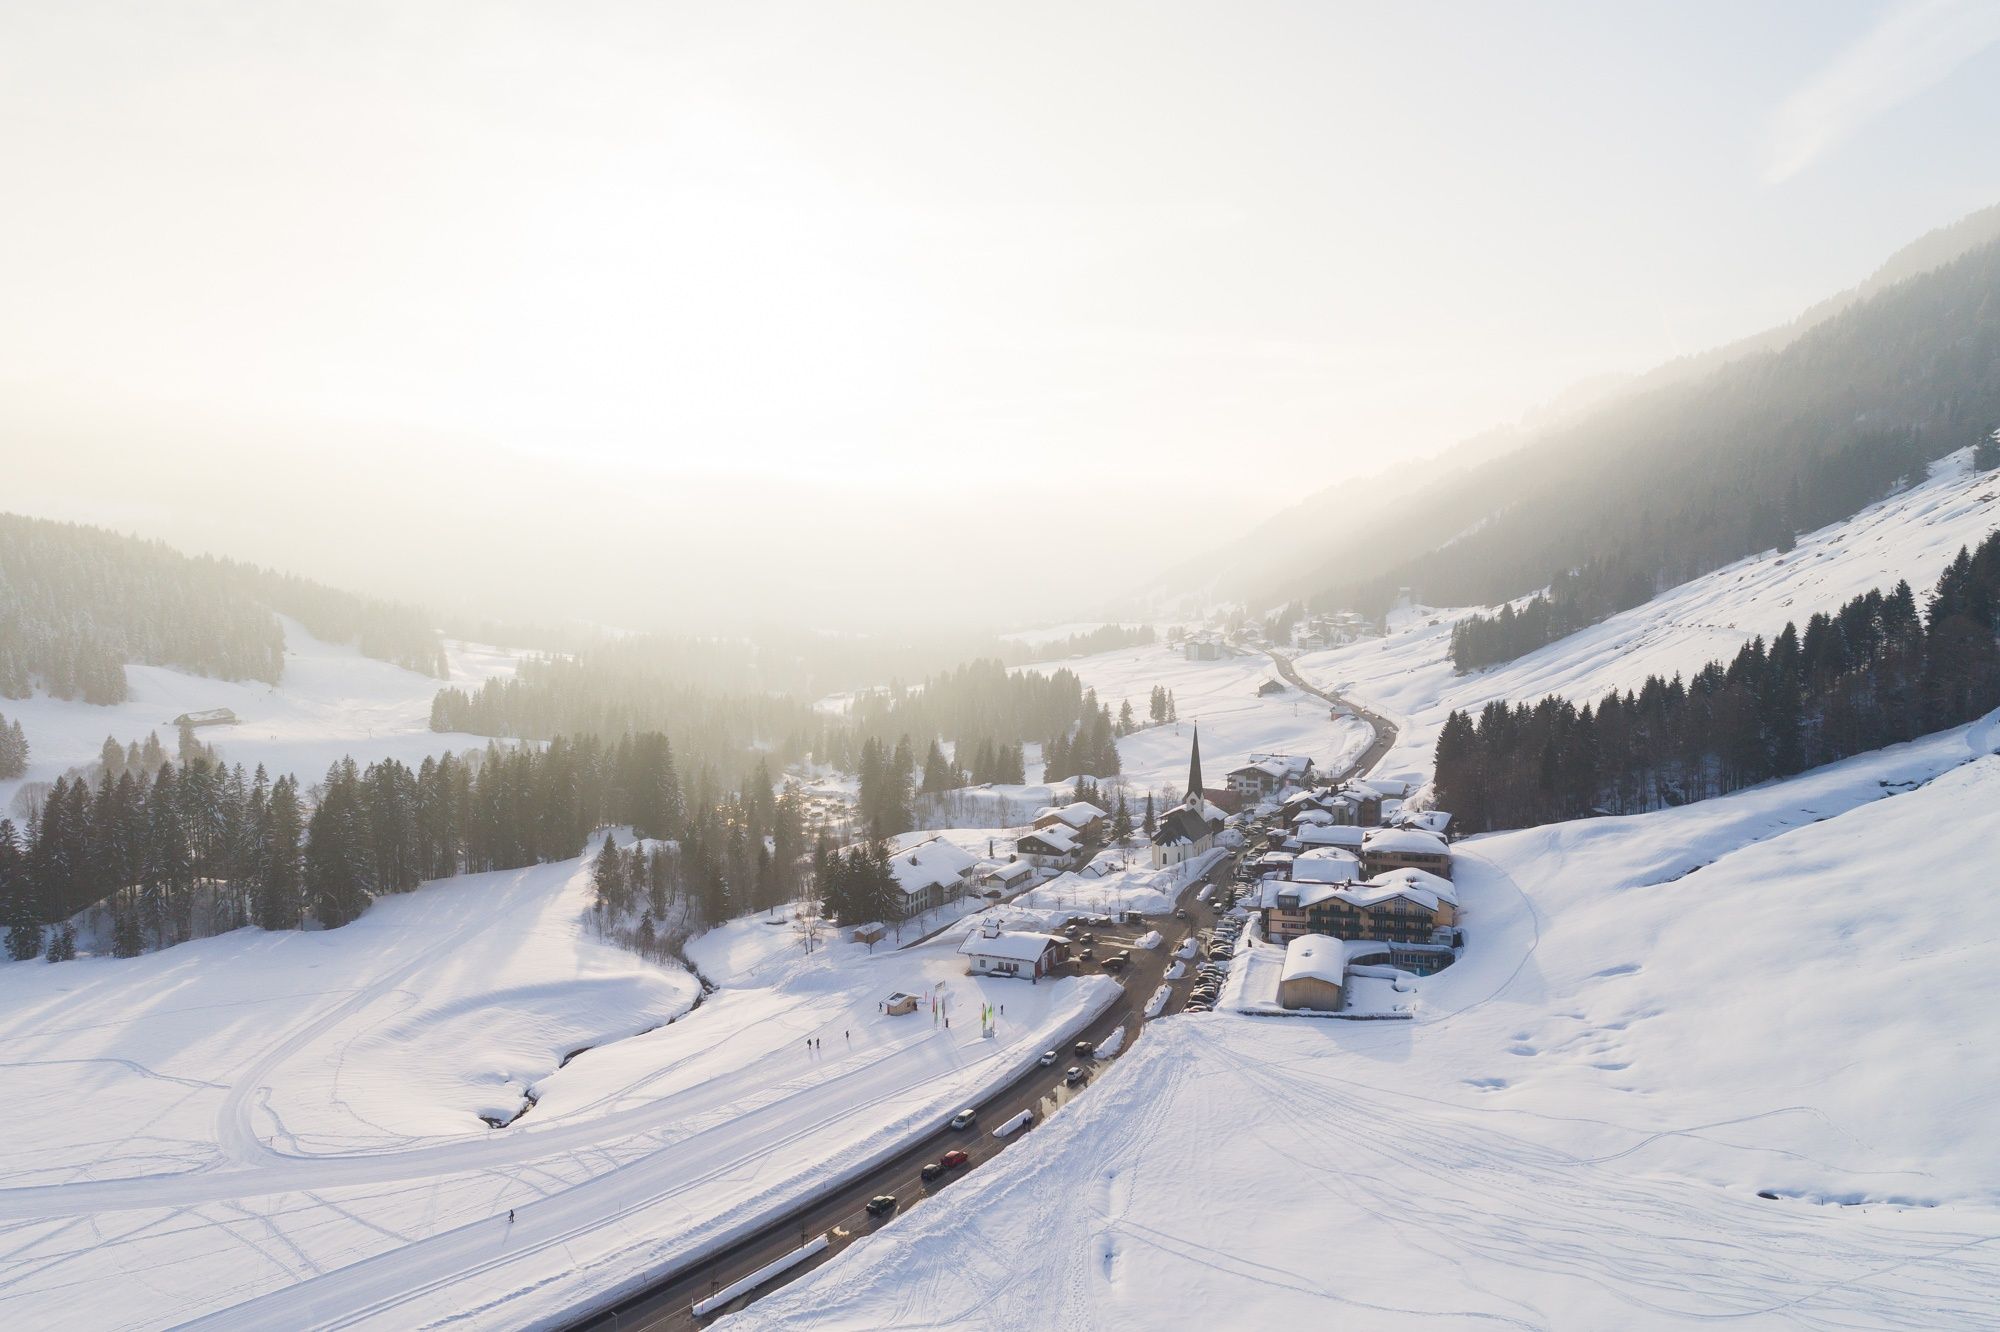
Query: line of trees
{"points": [[1091, 750], [181, 850], [1876, 672], [13, 749]]}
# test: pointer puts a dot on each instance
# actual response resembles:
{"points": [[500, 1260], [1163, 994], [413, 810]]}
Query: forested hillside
{"points": [[1658, 488], [77, 603], [1877, 672]]}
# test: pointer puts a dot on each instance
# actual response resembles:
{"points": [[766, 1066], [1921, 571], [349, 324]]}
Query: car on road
{"points": [[1116, 962], [1074, 1076], [963, 1119], [1083, 1047], [1088, 954], [1180, 913], [953, 1159], [1048, 1058], [881, 1204], [931, 1170]]}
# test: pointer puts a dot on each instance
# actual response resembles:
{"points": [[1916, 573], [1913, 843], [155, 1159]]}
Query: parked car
{"points": [[931, 1170], [1074, 1076], [881, 1203], [1048, 1058], [953, 1159], [963, 1119], [1116, 962], [1087, 954], [1180, 913]]}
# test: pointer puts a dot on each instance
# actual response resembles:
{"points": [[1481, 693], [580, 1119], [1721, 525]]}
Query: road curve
{"points": [[1385, 730]]}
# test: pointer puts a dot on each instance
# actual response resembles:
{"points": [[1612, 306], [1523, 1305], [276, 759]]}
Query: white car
{"points": [[963, 1119], [1048, 1058]]}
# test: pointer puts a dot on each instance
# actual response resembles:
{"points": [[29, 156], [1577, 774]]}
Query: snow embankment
{"points": [[1109, 1047], [811, 1249]]}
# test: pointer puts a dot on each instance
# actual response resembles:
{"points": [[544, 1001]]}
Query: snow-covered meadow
{"points": [[290, 1130], [330, 703], [1720, 1062]]}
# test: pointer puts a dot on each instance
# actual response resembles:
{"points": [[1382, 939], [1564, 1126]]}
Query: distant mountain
{"points": [[1357, 540]]}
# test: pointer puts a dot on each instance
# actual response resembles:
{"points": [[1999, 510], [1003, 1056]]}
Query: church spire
{"points": [[1194, 795]]}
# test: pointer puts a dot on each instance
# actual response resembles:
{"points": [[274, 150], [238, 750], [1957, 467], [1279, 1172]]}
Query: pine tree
{"points": [[609, 878], [62, 944], [1986, 453], [1151, 824], [1121, 821]]}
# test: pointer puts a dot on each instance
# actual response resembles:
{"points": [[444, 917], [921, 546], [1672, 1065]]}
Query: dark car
{"points": [[1180, 913], [881, 1203], [931, 1170], [953, 1159], [1088, 954], [1083, 1047], [1116, 962]]}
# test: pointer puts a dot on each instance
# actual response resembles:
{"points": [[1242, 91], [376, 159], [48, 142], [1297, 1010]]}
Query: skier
{"points": [[510, 1216]]}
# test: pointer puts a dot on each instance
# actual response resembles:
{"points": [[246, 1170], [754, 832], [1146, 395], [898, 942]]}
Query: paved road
{"points": [[1385, 730], [841, 1214]]}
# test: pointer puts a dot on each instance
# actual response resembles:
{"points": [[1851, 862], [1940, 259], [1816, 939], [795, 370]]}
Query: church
{"points": [[1189, 828]]}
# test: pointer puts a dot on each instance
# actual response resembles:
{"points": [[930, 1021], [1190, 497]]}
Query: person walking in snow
{"points": [[510, 1216]]}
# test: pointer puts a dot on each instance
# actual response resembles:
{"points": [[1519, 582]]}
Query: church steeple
{"points": [[1194, 796]]}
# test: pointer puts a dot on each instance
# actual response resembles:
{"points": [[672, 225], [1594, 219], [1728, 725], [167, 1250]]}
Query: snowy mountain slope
{"points": [[331, 702], [284, 1129], [1222, 697], [1789, 991], [1408, 675]]}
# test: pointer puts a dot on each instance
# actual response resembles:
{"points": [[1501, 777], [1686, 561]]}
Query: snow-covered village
{"points": [[863, 665]]}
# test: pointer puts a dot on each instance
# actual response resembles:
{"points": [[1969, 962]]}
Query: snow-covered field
{"points": [[285, 1130], [1789, 991], [1222, 696], [1407, 676], [331, 702]]}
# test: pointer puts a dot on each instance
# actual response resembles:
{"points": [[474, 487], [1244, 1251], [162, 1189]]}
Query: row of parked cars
{"points": [[1219, 945]]}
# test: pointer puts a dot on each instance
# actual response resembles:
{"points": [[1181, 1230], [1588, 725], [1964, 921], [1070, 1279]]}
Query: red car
{"points": [[953, 1159]]}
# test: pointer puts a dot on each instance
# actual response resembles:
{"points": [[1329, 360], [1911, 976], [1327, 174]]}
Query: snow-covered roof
{"points": [[1297, 894], [1058, 837], [936, 863], [1430, 820], [1077, 813], [1006, 871], [1007, 945], [1310, 816], [1330, 834], [1315, 957], [1290, 765], [1325, 866], [1419, 881], [1413, 841], [1323, 957]]}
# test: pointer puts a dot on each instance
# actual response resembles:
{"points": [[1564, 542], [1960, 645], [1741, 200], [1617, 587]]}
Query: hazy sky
{"points": [[948, 295]]}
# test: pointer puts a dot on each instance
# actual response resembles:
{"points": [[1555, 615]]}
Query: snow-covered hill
{"points": [[331, 702], [289, 1130], [1407, 676], [1727, 1062]]}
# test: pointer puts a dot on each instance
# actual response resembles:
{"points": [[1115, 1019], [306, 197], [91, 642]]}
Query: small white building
{"points": [[992, 951]]}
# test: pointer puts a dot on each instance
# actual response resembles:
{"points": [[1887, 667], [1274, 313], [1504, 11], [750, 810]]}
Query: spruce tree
{"points": [[1986, 453]]}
